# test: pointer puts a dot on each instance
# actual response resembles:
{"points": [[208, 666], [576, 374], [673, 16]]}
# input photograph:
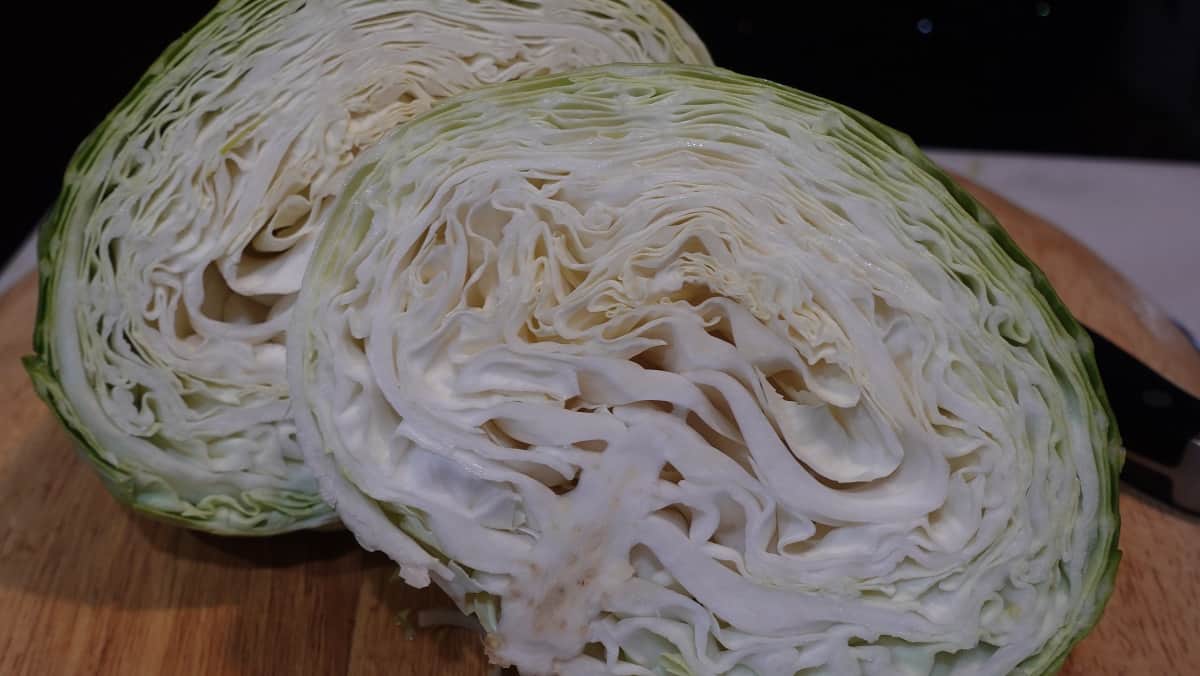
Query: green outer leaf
{"points": [[1051, 659], [1111, 454], [253, 512]]}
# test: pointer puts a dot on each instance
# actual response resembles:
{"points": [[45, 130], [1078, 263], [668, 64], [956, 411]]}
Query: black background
{"points": [[1089, 77]]}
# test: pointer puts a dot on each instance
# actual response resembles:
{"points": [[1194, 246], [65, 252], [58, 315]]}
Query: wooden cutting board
{"points": [[87, 587]]}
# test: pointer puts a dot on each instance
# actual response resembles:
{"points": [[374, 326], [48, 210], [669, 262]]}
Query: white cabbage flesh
{"points": [[174, 256], [664, 370]]}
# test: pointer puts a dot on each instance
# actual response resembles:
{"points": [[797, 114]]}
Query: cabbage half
{"points": [[172, 260], [665, 370]]}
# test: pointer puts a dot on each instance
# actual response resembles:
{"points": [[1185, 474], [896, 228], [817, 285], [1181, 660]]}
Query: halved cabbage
{"points": [[666, 370], [171, 262]]}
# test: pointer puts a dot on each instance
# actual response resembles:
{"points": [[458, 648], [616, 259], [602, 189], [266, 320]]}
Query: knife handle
{"points": [[1164, 443], [1168, 418]]}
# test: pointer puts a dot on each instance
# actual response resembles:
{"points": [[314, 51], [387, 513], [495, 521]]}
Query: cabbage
{"points": [[174, 254], [667, 370]]}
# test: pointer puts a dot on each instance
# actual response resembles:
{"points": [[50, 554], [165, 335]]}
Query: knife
{"points": [[1159, 424]]}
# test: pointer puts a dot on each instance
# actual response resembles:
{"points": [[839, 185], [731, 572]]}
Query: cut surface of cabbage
{"points": [[666, 370], [171, 262]]}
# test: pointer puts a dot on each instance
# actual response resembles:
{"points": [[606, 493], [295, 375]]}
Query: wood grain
{"points": [[87, 587]]}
